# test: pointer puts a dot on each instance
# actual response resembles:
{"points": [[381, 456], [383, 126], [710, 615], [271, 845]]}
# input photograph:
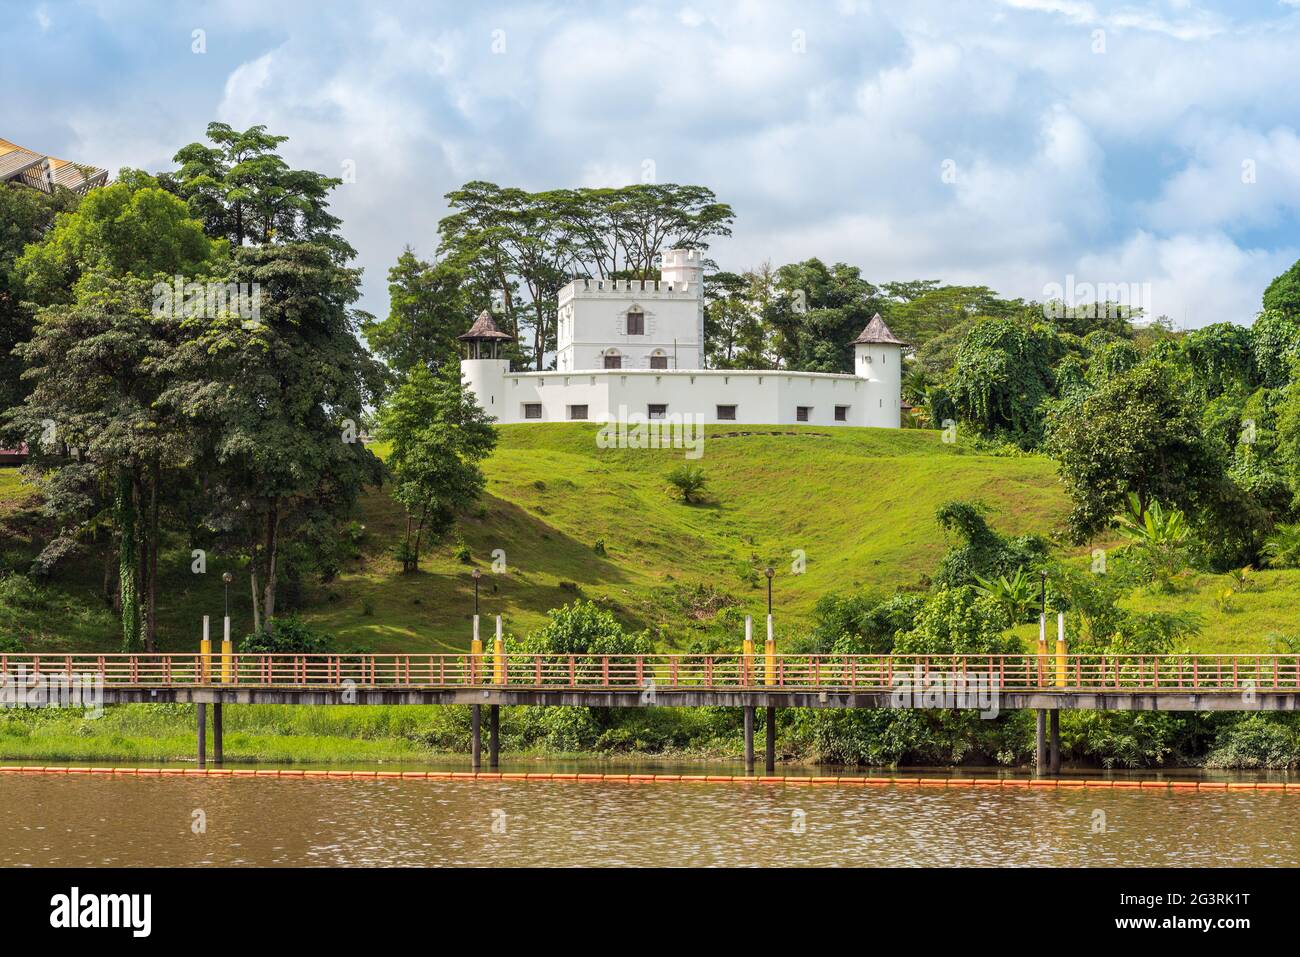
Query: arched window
{"points": [[613, 360], [658, 360]]}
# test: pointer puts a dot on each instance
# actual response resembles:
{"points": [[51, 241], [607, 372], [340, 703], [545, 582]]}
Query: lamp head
{"points": [[770, 571], [227, 577], [477, 574]]}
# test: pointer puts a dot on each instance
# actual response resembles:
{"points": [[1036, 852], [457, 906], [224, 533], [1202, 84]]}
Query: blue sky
{"points": [[1014, 144]]}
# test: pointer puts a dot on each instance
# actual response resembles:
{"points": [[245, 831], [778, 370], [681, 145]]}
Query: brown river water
{"points": [[88, 820]]}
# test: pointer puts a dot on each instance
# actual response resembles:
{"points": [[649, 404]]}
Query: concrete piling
{"points": [[494, 736], [1054, 760], [770, 751], [749, 740], [216, 735], [1040, 736], [202, 712], [476, 735]]}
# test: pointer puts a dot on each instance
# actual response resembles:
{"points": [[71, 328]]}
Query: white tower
{"points": [[878, 358], [683, 269], [484, 368]]}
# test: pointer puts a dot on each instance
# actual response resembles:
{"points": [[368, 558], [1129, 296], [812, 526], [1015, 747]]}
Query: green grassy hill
{"points": [[859, 503]]}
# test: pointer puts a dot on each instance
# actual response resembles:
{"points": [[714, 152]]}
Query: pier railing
{"points": [[1181, 672]]}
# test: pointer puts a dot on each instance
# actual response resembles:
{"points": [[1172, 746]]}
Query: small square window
{"points": [[726, 413], [532, 410], [802, 412], [658, 362], [613, 362], [657, 411], [841, 413], [577, 412]]}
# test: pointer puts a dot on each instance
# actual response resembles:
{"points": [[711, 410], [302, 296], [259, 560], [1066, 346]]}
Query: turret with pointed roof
{"points": [[877, 332], [483, 339]]}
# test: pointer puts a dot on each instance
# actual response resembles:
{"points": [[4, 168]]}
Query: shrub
{"points": [[689, 480], [288, 635]]}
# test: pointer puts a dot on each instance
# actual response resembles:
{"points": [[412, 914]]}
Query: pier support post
{"points": [[202, 711], [494, 736], [770, 755], [1040, 756], [749, 739], [1054, 761], [476, 736], [216, 735]]}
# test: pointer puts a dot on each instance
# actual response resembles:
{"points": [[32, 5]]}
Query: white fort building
{"points": [[634, 348]]}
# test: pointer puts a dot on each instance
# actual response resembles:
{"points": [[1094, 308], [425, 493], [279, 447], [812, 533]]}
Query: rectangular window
{"points": [[658, 362], [802, 412], [657, 411], [532, 410], [726, 413], [636, 323], [613, 362], [577, 412], [841, 413]]}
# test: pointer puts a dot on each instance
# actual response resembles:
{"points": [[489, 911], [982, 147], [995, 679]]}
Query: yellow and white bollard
{"points": [[476, 653], [499, 656], [1060, 650], [1042, 646], [747, 651], [227, 653], [205, 653]]}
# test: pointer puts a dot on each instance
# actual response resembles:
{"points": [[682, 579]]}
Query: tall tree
{"points": [[284, 397], [427, 308], [1139, 433], [98, 364], [26, 215], [244, 191], [438, 437]]}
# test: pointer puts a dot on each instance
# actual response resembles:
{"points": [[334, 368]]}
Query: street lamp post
{"points": [[769, 678], [476, 662]]}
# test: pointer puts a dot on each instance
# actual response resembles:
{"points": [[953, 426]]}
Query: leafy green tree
{"points": [[817, 312], [1003, 377], [1283, 293], [243, 191], [1221, 357], [427, 309], [129, 228], [1275, 342], [25, 216], [958, 621], [99, 364], [439, 436], [1140, 433], [283, 401]]}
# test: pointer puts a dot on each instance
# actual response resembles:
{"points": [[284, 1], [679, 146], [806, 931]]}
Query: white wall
{"points": [[761, 398], [592, 321]]}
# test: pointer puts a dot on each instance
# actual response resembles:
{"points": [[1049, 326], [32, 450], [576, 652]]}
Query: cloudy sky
{"points": [[1015, 144]]}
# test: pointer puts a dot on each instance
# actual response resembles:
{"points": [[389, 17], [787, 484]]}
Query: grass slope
{"points": [[859, 503]]}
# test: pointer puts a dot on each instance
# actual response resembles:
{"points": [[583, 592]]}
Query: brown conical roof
{"points": [[484, 328], [877, 332]]}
